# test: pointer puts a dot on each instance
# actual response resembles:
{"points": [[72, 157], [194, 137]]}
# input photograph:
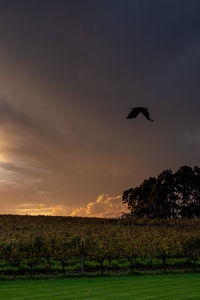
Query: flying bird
{"points": [[136, 110]]}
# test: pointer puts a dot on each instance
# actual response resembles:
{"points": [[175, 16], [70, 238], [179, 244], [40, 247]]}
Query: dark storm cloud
{"points": [[70, 70], [119, 40], [10, 114]]}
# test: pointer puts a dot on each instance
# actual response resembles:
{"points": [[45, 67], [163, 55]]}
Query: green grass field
{"points": [[160, 287]]}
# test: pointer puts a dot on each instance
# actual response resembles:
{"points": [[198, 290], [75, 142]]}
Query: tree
{"points": [[137, 199], [162, 198], [192, 247], [167, 196], [187, 188], [64, 250], [132, 245]]}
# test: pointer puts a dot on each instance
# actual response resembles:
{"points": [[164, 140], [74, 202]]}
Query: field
{"points": [[48, 245], [54, 247], [158, 287]]}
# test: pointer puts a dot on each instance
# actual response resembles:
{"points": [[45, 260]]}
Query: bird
{"points": [[136, 110]]}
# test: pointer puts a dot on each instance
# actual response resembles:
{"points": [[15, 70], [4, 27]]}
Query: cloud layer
{"points": [[69, 71], [104, 206]]}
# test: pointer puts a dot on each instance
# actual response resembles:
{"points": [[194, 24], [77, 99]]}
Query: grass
{"points": [[155, 287], [93, 266]]}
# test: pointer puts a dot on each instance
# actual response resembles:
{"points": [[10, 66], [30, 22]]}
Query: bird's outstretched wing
{"points": [[133, 114], [145, 112], [135, 111]]}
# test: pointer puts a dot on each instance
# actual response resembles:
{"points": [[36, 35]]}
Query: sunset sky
{"points": [[69, 72]]}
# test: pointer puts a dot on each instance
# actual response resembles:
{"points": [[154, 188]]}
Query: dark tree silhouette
{"points": [[162, 198], [136, 199], [170, 195], [135, 111], [187, 184]]}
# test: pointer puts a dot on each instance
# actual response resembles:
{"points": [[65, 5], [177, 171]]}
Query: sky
{"points": [[69, 72]]}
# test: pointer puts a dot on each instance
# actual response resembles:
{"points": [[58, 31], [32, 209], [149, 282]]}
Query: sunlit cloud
{"points": [[3, 158], [39, 209], [104, 206]]}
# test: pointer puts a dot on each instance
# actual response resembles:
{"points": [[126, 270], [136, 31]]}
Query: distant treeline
{"points": [[170, 195]]}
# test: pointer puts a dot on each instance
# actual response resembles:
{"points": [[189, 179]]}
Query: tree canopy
{"points": [[170, 195]]}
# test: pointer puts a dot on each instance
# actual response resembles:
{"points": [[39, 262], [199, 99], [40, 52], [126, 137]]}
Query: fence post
{"points": [[82, 258]]}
